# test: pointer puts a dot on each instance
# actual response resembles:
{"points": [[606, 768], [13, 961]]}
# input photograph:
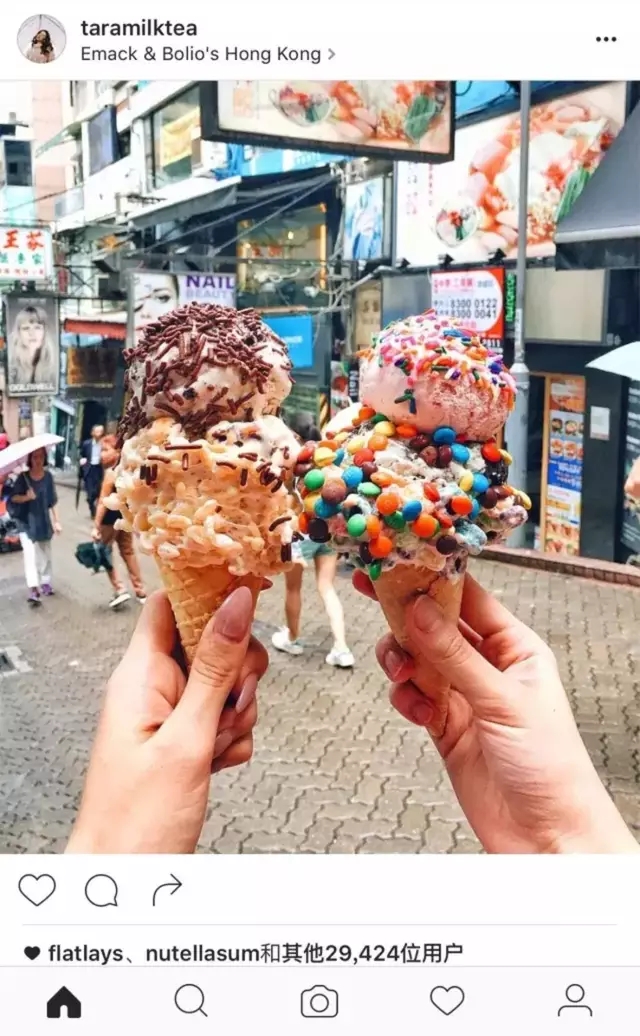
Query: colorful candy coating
{"points": [[381, 546], [491, 452], [369, 489], [411, 510], [460, 453], [395, 521], [323, 509], [357, 525], [323, 456], [314, 479], [426, 526], [480, 483], [319, 531], [444, 436], [384, 427], [352, 477], [334, 491], [388, 502]]}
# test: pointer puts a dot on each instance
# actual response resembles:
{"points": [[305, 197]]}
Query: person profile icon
{"points": [[575, 994], [41, 39]]}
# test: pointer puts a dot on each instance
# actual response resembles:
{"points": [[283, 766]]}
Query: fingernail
{"points": [[393, 663], [422, 714], [222, 742], [248, 692], [234, 617], [426, 613]]}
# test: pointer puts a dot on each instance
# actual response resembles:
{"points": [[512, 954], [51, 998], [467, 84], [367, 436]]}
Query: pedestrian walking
{"points": [[91, 468], [34, 503], [105, 532], [325, 561]]}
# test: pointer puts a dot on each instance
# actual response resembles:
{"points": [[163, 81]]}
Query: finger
{"points": [[240, 752], [438, 643], [470, 635], [411, 703], [363, 585], [216, 666], [238, 725], [483, 613], [254, 666], [394, 662], [156, 627]]}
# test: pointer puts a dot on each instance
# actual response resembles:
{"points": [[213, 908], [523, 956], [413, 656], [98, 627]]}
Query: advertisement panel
{"points": [[383, 118], [364, 220], [296, 331], [476, 297], [564, 414], [176, 138], [26, 253], [33, 345], [153, 294], [630, 532], [468, 208]]}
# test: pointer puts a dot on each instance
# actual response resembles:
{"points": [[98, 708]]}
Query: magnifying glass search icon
{"points": [[190, 1000]]}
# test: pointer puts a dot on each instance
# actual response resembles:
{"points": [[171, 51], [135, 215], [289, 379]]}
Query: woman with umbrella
{"points": [[33, 503]]}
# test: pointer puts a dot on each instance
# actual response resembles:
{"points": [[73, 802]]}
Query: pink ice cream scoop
{"points": [[431, 372]]}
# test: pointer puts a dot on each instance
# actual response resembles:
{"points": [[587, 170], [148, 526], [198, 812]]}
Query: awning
{"points": [[61, 404], [213, 195], [103, 328], [602, 230]]}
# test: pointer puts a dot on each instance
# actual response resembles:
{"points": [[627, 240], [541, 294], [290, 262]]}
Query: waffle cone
{"points": [[196, 594], [395, 589]]}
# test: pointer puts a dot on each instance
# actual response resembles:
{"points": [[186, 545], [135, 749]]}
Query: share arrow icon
{"points": [[174, 885]]}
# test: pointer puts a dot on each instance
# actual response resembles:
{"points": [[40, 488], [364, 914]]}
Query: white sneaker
{"points": [[141, 600], [282, 642], [119, 599], [340, 659]]}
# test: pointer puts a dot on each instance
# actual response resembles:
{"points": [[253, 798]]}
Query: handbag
{"points": [[19, 512]]}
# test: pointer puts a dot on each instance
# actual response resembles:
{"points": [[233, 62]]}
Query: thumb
{"points": [[437, 642], [218, 661]]}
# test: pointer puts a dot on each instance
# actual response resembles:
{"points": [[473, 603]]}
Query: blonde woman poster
{"points": [[33, 346]]}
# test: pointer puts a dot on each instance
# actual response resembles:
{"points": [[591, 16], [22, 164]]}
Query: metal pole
{"points": [[517, 430]]}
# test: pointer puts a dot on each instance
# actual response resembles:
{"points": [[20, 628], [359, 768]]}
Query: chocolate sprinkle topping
{"points": [[244, 477], [176, 349], [279, 521]]}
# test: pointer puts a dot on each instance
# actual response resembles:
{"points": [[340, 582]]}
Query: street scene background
{"points": [[334, 769]]}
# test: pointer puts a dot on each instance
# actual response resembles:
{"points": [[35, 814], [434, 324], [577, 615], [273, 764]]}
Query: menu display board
{"points": [[564, 414], [476, 298], [630, 531]]}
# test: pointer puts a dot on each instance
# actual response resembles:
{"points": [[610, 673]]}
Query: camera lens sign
{"points": [[475, 297]]}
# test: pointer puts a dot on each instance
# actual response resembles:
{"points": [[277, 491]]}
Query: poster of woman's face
{"points": [[33, 345]]}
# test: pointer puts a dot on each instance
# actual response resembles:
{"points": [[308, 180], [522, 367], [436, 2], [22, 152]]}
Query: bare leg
{"points": [[326, 567], [108, 535], [293, 600]]}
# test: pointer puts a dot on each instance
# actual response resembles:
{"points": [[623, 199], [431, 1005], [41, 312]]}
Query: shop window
{"points": [[124, 143], [285, 255], [172, 130]]}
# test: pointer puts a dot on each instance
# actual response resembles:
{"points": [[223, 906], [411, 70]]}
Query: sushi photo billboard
{"points": [[468, 208], [394, 118]]}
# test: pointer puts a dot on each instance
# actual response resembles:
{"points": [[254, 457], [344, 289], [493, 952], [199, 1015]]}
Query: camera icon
{"points": [[319, 1002]]}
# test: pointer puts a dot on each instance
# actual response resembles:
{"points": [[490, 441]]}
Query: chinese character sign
{"points": [[33, 345], [26, 254], [475, 297]]}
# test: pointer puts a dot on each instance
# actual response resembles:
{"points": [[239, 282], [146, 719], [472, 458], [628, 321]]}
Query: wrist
{"points": [[600, 829]]}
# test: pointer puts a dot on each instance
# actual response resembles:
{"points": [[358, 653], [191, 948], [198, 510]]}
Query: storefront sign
{"points": [[25, 253], [383, 118], [564, 422], [468, 208], [153, 294], [368, 314], [475, 297], [630, 533], [296, 332], [364, 220], [509, 300]]}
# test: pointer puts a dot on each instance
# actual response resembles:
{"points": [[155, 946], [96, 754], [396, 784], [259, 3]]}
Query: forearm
{"points": [[100, 512], [21, 498], [53, 511]]}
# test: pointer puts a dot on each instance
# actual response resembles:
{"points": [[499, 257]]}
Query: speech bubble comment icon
{"points": [[101, 891]]}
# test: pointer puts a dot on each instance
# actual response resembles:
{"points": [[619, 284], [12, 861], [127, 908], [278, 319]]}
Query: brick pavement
{"points": [[335, 770]]}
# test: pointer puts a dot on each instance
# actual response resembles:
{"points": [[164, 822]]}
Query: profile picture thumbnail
{"points": [[41, 39]]}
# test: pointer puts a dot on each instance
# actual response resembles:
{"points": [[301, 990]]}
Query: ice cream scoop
{"points": [[430, 372], [222, 500], [201, 364]]}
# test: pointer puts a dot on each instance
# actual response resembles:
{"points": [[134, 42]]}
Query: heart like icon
{"points": [[37, 889], [447, 1000], [32, 952]]}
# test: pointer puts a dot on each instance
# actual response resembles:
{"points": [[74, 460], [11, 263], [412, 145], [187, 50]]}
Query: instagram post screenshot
{"points": [[319, 516]]}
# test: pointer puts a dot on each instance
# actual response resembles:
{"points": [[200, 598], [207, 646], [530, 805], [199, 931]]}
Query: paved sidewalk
{"points": [[335, 770]]}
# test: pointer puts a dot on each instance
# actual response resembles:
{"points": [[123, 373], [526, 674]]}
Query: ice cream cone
{"points": [[196, 594], [395, 589]]}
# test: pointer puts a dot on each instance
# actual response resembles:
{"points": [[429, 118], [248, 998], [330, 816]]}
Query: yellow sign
{"points": [[176, 138]]}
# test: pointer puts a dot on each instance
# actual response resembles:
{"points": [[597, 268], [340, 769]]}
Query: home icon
{"points": [[64, 1003]]}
